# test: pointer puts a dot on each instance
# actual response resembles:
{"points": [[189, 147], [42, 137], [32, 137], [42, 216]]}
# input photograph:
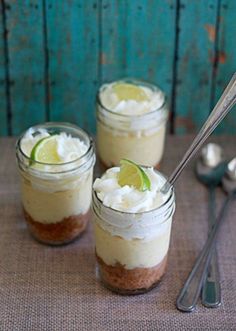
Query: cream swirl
{"points": [[144, 117], [134, 214], [154, 100], [128, 198], [68, 147], [69, 174]]}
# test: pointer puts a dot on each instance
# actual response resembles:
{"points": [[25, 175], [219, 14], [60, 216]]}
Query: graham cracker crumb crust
{"points": [[123, 281], [58, 233]]}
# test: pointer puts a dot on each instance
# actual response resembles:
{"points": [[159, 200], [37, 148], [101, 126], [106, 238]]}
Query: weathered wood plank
{"points": [[196, 49], [3, 98], [151, 41], [72, 29], [226, 65], [138, 40], [113, 28], [26, 60], [130, 38]]}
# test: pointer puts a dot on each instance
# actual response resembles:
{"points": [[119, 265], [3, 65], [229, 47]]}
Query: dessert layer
{"points": [[58, 233], [142, 149], [121, 280], [135, 253], [47, 206]]}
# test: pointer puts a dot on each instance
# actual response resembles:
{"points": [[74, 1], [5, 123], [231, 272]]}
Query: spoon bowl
{"points": [[229, 180], [223, 106], [210, 176]]}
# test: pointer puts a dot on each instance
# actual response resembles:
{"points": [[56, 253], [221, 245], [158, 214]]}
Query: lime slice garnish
{"points": [[45, 151], [125, 91], [133, 175]]}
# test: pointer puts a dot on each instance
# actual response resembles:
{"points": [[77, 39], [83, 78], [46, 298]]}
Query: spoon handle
{"points": [[189, 294], [223, 106], [211, 292]]}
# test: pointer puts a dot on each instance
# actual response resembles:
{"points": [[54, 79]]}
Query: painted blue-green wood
{"points": [[196, 51], [137, 41], [26, 63], [226, 59], [3, 98], [59, 53], [151, 41], [73, 48], [113, 28]]}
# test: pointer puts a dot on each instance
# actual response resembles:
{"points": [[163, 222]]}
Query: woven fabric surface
{"points": [[55, 288]]}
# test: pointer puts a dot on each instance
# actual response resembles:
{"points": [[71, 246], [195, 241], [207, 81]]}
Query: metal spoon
{"points": [[189, 294], [229, 180], [223, 106], [210, 169]]}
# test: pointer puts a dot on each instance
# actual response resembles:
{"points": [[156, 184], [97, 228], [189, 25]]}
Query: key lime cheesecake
{"points": [[132, 225], [56, 170], [131, 123]]}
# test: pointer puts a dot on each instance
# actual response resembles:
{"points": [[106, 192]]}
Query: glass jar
{"points": [[56, 198], [139, 138], [132, 248]]}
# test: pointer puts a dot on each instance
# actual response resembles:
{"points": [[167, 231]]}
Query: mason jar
{"points": [[136, 137], [56, 198], [132, 248]]}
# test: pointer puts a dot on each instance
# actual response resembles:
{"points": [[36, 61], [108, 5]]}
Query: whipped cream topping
{"points": [[110, 100], [139, 117], [127, 198], [149, 211], [68, 147], [75, 167]]}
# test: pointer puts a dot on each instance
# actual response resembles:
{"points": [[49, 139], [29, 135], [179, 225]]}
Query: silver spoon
{"points": [[223, 106], [189, 294], [210, 169], [229, 180]]}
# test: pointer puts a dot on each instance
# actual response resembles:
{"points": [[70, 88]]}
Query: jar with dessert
{"points": [[55, 162], [132, 225], [131, 122]]}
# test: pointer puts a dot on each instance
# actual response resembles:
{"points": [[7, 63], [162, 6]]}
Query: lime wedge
{"points": [[125, 91], [133, 175], [45, 151]]}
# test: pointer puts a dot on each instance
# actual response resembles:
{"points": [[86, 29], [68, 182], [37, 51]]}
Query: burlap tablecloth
{"points": [[54, 288]]}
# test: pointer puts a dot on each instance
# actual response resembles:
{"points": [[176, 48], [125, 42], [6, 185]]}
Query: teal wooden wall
{"points": [[54, 54]]}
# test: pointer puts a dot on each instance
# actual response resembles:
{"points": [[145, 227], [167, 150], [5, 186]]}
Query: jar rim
{"points": [[56, 125], [171, 197], [138, 82]]}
